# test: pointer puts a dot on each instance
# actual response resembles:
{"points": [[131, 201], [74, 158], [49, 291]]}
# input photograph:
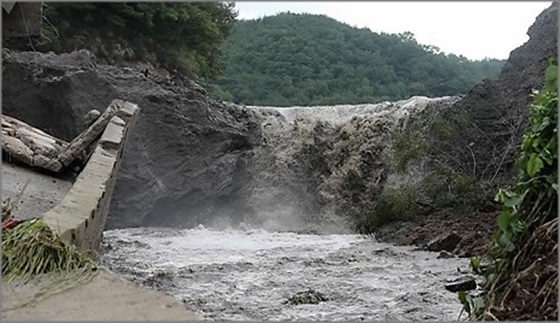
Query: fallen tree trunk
{"points": [[29, 145], [33, 147]]}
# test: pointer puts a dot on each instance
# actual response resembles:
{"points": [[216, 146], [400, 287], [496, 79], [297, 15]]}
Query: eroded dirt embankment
{"points": [[489, 122]]}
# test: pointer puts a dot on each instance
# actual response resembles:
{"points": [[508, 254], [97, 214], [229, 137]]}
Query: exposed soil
{"points": [[475, 230], [491, 120]]}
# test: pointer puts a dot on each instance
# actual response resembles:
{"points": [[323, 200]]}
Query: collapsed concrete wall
{"points": [[80, 217]]}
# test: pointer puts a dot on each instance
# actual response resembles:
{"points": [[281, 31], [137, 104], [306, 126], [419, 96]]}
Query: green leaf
{"points": [[519, 226], [504, 239], [504, 220], [544, 123], [551, 77], [534, 165], [462, 297], [513, 201], [478, 303], [475, 262]]}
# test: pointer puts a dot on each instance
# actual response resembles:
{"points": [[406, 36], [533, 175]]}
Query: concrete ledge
{"points": [[106, 297], [80, 217], [35, 193]]}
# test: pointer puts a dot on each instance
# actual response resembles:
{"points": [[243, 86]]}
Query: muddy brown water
{"points": [[249, 274]]}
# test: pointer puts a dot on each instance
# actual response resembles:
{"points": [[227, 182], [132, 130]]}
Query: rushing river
{"points": [[248, 275]]}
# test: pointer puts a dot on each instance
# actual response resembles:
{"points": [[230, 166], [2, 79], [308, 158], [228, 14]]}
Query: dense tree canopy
{"points": [[181, 35], [304, 59]]}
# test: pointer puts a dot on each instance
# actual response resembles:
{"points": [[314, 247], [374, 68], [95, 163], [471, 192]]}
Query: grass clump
{"points": [[440, 190], [461, 192], [414, 142], [7, 209], [410, 144], [391, 206], [408, 147], [32, 248]]}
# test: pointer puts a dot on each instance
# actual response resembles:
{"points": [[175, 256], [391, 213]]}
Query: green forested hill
{"points": [[304, 59]]}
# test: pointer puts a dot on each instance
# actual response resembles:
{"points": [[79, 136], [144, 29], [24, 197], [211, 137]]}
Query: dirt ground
{"points": [[476, 230], [106, 297]]}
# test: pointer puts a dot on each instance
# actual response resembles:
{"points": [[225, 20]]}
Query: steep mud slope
{"points": [[493, 116], [483, 132], [186, 157]]}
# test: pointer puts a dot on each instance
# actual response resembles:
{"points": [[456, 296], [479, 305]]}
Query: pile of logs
{"points": [[31, 146]]}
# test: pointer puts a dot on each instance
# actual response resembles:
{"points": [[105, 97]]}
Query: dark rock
{"points": [[445, 241], [186, 158], [464, 254], [53, 92], [90, 117], [160, 280], [461, 284], [309, 296], [444, 255], [129, 54]]}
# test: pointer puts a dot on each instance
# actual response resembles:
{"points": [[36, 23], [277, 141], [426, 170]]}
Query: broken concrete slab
{"points": [[35, 193], [80, 217]]}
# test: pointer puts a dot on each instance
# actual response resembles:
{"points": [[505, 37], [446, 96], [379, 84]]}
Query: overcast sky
{"points": [[472, 29]]}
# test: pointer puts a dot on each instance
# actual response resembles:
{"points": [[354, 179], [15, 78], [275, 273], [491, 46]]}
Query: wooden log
{"points": [[30, 145], [36, 148], [79, 145]]}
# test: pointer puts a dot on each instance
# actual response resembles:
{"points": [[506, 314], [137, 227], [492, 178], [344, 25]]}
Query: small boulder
{"points": [[446, 241], [129, 54], [461, 284], [464, 254], [306, 297], [90, 118], [444, 255], [160, 279]]}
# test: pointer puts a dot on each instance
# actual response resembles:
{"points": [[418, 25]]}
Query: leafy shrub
{"points": [[183, 36], [522, 278], [445, 189], [392, 205], [414, 141], [409, 146]]}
